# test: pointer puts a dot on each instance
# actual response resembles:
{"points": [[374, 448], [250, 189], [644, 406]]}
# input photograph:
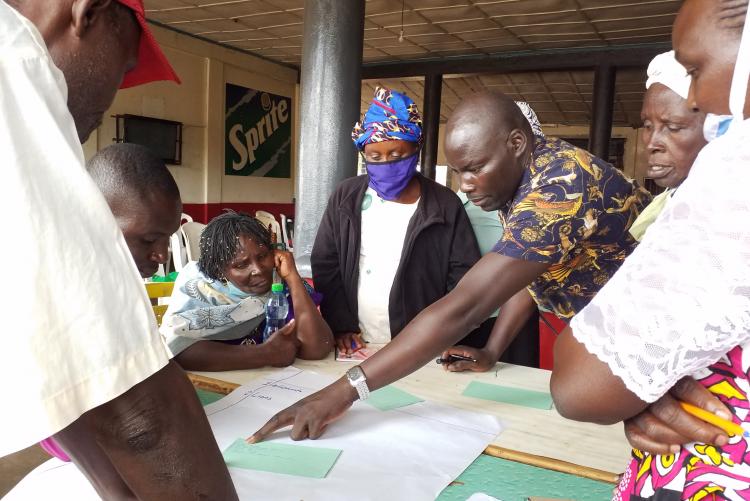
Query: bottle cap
{"points": [[277, 287]]}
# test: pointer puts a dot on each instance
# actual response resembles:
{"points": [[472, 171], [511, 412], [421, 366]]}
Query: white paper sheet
{"points": [[56, 480], [410, 453]]}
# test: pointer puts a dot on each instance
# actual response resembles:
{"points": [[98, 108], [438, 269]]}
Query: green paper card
{"points": [[390, 397], [514, 396], [208, 397], [298, 460]]}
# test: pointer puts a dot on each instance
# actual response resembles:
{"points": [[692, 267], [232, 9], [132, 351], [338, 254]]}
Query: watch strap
{"points": [[358, 380]]}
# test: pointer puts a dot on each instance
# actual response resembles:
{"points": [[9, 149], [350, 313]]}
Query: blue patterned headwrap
{"points": [[391, 116]]}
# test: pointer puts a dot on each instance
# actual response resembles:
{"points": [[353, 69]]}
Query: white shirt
{"points": [[384, 227], [78, 328], [682, 299]]}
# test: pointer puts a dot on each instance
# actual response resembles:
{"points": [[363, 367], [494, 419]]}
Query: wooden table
{"points": [[538, 437]]}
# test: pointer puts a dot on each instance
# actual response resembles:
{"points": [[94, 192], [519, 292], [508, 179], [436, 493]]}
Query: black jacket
{"points": [[438, 250]]}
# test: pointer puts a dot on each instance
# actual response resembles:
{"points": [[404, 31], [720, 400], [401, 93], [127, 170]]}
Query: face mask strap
{"points": [[715, 126], [738, 91]]}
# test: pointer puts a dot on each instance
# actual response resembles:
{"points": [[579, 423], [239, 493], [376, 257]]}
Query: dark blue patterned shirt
{"points": [[573, 211]]}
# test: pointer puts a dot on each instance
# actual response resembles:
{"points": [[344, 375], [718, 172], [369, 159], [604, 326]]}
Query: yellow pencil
{"points": [[728, 426]]}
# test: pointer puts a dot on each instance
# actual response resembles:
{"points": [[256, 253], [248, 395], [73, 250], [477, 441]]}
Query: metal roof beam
{"points": [[623, 56]]}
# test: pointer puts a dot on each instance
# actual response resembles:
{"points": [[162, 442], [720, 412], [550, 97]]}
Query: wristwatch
{"points": [[358, 380]]}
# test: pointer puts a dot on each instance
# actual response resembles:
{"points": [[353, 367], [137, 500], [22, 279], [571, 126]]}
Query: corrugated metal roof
{"points": [[440, 28]]}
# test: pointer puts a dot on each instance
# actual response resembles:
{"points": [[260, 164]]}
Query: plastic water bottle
{"points": [[277, 309]]}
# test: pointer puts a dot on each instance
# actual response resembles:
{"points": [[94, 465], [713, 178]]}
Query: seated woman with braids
{"points": [[216, 315]]}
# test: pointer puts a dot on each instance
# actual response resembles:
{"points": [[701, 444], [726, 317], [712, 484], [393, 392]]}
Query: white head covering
{"points": [[530, 115], [666, 70]]}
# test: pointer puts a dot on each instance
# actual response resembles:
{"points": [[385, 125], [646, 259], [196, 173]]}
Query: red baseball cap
{"points": [[152, 64]]}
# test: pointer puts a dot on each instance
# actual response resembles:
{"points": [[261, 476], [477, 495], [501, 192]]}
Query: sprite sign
{"points": [[258, 133]]}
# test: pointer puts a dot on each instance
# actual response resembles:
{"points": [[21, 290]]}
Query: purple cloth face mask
{"points": [[389, 179]]}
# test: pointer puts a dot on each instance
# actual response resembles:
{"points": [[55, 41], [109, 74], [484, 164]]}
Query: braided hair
{"points": [[219, 241]]}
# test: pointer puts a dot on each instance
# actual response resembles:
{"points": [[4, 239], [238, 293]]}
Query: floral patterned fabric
{"points": [[573, 211], [700, 472]]}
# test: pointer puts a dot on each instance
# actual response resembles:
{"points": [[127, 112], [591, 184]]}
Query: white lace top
{"points": [[682, 299]]}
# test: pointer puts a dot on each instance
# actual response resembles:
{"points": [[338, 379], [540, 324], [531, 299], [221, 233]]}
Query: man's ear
{"points": [[86, 13], [517, 142]]}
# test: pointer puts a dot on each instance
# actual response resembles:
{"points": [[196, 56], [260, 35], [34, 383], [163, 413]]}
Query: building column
{"points": [[433, 88], [329, 107], [603, 105]]}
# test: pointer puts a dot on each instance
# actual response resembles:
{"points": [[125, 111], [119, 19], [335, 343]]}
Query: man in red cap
{"points": [[81, 352]]}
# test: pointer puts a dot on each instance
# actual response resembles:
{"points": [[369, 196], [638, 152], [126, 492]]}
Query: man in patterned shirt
{"points": [[566, 218], [565, 212]]}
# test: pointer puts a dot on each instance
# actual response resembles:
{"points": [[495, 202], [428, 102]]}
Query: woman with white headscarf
{"points": [[680, 305], [672, 132]]}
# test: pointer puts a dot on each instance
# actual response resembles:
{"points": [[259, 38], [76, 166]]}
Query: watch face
{"points": [[355, 374]]}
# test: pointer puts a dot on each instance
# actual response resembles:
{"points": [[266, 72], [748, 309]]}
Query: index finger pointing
{"points": [[279, 420]]}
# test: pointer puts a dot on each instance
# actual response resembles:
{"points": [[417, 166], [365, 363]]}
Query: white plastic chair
{"points": [[191, 233], [286, 232], [268, 220], [177, 247]]}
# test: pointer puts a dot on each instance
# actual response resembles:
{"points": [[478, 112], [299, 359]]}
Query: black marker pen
{"points": [[454, 358]]}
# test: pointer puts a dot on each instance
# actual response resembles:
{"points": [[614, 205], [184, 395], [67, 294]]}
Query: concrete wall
{"points": [[198, 103]]}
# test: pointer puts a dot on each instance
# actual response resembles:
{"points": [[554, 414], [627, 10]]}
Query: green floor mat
{"points": [[511, 481]]}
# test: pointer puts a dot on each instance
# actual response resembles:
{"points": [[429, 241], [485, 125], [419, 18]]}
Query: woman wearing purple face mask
{"points": [[391, 242]]}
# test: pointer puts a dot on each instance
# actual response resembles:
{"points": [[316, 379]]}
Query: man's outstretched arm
{"points": [[492, 281]]}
